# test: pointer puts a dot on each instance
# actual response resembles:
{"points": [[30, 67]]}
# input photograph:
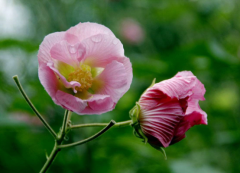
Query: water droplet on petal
{"points": [[115, 41], [97, 38], [72, 49]]}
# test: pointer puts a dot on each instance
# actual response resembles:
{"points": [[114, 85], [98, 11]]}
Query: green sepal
{"points": [[145, 139], [163, 152], [153, 82], [134, 113]]}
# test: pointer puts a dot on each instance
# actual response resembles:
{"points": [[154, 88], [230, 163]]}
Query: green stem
{"points": [[90, 138], [58, 142], [51, 158], [65, 119], [15, 78], [63, 132], [120, 124]]}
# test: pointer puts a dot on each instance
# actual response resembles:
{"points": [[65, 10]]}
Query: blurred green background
{"points": [[202, 36]]}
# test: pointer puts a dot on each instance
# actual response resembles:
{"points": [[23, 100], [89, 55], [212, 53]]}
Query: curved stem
{"points": [[90, 138], [51, 158], [65, 119], [58, 142], [120, 124], [15, 78], [63, 131]]}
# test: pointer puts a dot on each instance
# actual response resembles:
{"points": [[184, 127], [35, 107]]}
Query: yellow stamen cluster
{"points": [[82, 75]]}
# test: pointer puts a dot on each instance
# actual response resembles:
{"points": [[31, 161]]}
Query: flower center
{"points": [[82, 75]]}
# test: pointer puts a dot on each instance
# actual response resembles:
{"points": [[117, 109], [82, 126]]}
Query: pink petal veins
{"points": [[101, 50], [169, 108], [99, 103], [114, 78], [49, 80], [128, 69], [86, 30], [45, 47], [69, 54], [160, 122], [70, 102]]}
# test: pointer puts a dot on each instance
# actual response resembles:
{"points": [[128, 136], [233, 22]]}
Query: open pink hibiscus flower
{"points": [[84, 68], [169, 108]]}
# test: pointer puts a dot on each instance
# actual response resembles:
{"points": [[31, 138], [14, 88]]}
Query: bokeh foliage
{"points": [[198, 35]]}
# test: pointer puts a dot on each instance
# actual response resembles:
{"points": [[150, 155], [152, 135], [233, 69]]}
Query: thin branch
{"points": [[120, 124], [90, 138], [15, 78], [59, 141], [51, 158]]}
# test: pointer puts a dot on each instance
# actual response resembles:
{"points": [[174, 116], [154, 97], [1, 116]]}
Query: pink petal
{"points": [[69, 54], [180, 131], [160, 121], [70, 102], [184, 74], [178, 87], [152, 98], [197, 87], [102, 49], [49, 80], [86, 30], [67, 84], [45, 47], [71, 39], [195, 118], [187, 90], [128, 67], [194, 114], [114, 78], [99, 104]]}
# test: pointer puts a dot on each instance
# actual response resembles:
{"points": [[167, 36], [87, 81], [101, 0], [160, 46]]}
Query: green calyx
{"points": [[137, 130], [134, 115]]}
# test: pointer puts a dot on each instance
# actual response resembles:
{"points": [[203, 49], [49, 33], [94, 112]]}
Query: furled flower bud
{"points": [[166, 110]]}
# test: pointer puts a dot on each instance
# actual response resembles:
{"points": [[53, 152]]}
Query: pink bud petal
{"points": [[169, 108]]}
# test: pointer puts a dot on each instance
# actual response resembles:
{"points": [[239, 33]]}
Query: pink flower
{"points": [[131, 31], [84, 68], [169, 108]]}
